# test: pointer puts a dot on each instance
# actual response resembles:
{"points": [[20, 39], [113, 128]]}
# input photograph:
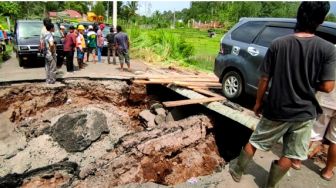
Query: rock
{"points": [[40, 151], [160, 111], [167, 155], [137, 93], [159, 119], [83, 127], [55, 175], [148, 117], [156, 106]]}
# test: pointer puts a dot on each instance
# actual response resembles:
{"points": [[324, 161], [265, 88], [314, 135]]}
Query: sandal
{"points": [[326, 178], [296, 166]]}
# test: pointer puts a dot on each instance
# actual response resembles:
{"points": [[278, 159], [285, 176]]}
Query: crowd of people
{"points": [[85, 42]]}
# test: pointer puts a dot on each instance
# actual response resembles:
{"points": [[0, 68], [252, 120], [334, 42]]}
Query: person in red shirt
{"points": [[69, 48]]}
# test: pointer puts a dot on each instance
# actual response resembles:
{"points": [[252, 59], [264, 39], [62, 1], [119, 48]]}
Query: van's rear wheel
{"points": [[232, 85]]}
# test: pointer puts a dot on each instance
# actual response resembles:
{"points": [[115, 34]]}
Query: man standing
{"points": [[111, 46], [100, 41], [63, 33], [298, 65], [329, 104], [46, 21], [80, 44], [2, 38], [122, 45], [92, 43], [50, 54], [69, 48]]}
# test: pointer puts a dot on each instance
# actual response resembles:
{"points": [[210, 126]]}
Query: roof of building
{"points": [[52, 14], [73, 14]]}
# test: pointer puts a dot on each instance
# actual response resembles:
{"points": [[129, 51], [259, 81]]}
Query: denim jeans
{"points": [[99, 49]]}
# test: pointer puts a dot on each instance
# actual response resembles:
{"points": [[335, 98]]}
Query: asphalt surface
{"points": [[11, 71]]}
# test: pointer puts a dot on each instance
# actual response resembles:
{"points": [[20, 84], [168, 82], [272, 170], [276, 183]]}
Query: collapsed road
{"points": [[84, 133]]}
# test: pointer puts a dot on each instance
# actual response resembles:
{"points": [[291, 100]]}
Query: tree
{"points": [[129, 11], [119, 6], [99, 9], [79, 6], [10, 9], [331, 17]]}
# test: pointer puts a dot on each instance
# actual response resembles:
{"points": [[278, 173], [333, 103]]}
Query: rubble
{"points": [[97, 139], [148, 118], [83, 127]]}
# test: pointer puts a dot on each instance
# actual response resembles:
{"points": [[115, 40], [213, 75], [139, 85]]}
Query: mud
{"points": [[83, 133]]}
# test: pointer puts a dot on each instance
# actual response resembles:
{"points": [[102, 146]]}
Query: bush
{"points": [[170, 45]]}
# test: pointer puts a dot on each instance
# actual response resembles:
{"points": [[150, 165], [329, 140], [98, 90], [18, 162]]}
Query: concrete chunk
{"points": [[148, 117]]}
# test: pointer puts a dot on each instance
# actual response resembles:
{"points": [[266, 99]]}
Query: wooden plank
{"points": [[186, 80], [142, 77], [197, 84], [183, 83], [205, 92], [191, 101], [151, 82]]}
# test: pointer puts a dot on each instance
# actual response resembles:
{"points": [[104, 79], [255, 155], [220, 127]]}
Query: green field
{"points": [[190, 48], [206, 48]]}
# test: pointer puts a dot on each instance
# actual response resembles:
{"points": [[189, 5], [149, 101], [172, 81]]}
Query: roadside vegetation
{"points": [[190, 48]]}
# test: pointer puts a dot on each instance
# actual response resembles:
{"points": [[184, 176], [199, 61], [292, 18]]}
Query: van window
{"points": [[29, 29], [327, 33], [33, 29], [270, 33], [247, 32]]}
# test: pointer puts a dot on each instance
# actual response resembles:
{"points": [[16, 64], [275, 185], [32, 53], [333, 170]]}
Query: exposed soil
{"points": [[84, 133]]}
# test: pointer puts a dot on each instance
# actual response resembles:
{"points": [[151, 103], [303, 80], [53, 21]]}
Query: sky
{"points": [[151, 6], [333, 7]]}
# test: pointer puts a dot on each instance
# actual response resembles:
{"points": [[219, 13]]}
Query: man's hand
{"points": [[262, 87], [326, 86], [257, 109]]}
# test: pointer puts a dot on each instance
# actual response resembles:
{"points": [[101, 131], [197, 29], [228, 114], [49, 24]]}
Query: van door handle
{"points": [[252, 51], [235, 50]]}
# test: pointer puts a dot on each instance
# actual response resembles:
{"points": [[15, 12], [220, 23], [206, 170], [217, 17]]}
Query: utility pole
{"points": [[114, 13], [108, 8], [174, 20]]}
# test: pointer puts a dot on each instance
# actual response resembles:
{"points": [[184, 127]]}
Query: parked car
{"points": [[27, 39], [242, 49]]}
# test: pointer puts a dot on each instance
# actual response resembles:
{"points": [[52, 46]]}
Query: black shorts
{"points": [[91, 50]]}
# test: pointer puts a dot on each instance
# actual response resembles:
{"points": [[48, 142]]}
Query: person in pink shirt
{"points": [[100, 41], [69, 48]]}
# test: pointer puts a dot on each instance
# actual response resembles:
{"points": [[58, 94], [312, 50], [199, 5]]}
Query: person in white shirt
{"points": [[50, 54]]}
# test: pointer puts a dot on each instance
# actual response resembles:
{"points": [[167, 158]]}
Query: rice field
{"points": [[191, 48]]}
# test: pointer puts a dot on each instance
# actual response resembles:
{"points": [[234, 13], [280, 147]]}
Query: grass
{"points": [[189, 48]]}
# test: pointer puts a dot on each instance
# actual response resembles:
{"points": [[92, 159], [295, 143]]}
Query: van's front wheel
{"points": [[232, 85]]}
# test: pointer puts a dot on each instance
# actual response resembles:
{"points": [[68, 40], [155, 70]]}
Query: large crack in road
{"points": [[83, 133]]}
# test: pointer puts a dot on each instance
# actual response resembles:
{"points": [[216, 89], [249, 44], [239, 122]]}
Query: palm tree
{"points": [[130, 10]]}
